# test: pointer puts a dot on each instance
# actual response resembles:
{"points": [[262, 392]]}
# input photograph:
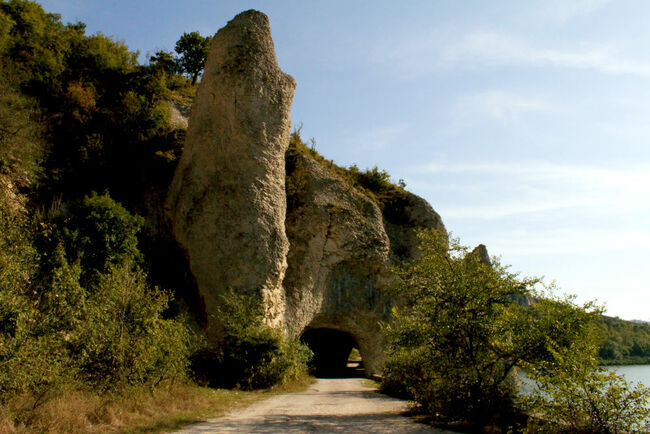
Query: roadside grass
{"points": [[133, 410], [369, 382]]}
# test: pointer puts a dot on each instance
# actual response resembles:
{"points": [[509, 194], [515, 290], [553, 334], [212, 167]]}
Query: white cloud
{"points": [[489, 48], [432, 51], [563, 10], [377, 137], [522, 188], [497, 105], [568, 241]]}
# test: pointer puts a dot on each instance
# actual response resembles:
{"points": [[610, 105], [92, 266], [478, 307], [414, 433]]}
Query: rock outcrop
{"points": [[321, 261], [341, 246], [227, 201]]}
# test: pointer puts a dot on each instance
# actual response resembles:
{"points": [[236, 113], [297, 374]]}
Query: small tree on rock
{"points": [[193, 50], [164, 61]]}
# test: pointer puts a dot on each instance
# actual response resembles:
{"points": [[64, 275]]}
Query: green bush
{"points": [[101, 233], [403, 372], [56, 329], [31, 360], [124, 339], [573, 394], [251, 354], [457, 337], [21, 141]]}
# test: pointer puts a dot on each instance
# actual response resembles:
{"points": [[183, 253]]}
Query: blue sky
{"points": [[525, 124]]}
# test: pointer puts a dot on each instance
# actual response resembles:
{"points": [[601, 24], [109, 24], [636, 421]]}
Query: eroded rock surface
{"points": [[227, 200], [340, 250], [321, 260]]}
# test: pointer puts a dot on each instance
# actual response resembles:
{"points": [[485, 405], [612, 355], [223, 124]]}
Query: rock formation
{"points": [[227, 200], [328, 269], [341, 245]]}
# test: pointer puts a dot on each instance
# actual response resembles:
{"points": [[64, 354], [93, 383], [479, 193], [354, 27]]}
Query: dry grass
{"points": [[132, 411]]}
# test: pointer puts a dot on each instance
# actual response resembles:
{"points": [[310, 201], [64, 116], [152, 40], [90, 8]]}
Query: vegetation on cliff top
{"points": [[375, 183]]}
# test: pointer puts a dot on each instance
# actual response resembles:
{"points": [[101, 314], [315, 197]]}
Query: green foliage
{"points": [[574, 395], [101, 233], [71, 310], [374, 183], [56, 328], [21, 143], [124, 339], [37, 41], [164, 61], [62, 298], [251, 355], [6, 24], [623, 342], [31, 359], [107, 117], [193, 49], [456, 339]]}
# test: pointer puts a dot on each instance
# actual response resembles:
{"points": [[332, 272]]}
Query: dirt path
{"points": [[329, 405]]}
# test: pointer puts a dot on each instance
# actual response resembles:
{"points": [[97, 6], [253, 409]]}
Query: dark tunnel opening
{"points": [[333, 353]]}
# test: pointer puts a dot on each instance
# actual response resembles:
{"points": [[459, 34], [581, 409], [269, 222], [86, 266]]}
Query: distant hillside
{"points": [[624, 342]]}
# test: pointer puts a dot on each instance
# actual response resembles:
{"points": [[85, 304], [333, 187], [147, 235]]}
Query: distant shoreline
{"points": [[625, 362]]}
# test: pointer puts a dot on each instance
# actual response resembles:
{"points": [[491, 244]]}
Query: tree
{"points": [[101, 233], [456, 339], [193, 49], [250, 354], [574, 394], [164, 61]]}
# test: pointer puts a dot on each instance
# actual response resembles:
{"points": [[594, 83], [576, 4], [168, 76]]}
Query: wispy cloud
{"points": [[516, 189], [569, 241], [377, 137], [496, 105], [562, 10], [433, 51]]}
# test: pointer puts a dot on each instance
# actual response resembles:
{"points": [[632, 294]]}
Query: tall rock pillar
{"points": [[227, 201]]}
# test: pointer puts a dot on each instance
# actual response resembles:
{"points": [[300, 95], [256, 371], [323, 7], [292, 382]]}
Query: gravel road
{"points": [[328, 406]]}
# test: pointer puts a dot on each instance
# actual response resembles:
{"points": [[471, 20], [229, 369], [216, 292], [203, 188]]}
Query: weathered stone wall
{"points": [[227, 200]]}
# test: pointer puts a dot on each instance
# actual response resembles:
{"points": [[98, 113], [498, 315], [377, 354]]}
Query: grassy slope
{"points": [[132, 411]]}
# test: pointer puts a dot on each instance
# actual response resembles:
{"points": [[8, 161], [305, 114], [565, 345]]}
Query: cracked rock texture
{"points": [[322, 261], [341, 246], [227, 201]]}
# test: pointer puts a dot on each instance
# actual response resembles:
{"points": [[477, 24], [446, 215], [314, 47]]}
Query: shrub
{"points": [[458, 335], [30, 360], [21, 143], [101, 233], [573, 394], [251, 354], [124, 339], [402, 373]]}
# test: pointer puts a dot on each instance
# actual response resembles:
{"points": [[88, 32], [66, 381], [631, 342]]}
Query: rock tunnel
{"points": [[332, 350]]}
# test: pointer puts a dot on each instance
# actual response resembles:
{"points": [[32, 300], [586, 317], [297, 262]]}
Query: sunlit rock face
{"points": [[227, 200], [341, 247], [321, 264]]}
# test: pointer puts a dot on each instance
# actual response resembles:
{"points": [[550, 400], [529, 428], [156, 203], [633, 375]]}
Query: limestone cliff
{"points": [[341, 245], [227, 200], [317, 244]]}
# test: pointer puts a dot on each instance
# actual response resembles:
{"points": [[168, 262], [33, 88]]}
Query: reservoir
{"points": [[634, 373]]}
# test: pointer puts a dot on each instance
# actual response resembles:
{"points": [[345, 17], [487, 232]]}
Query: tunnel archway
{"points": [[332, 349]]}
